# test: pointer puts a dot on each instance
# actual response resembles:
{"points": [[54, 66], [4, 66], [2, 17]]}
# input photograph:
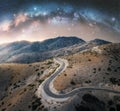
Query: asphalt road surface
{"points": [[50, 93]]}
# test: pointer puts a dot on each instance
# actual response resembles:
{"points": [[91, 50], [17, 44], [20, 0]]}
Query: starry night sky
{"points": [[41, 19]]}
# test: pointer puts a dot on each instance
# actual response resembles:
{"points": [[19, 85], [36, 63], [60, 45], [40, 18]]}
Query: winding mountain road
{"points": [[47, 91]]}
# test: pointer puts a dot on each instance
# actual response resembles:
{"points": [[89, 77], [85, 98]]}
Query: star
{"points": [[35, 8], [113, 19], [44, 13], [58, 9], [26, 14]]}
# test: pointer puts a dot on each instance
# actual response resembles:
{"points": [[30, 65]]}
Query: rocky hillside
{"points": [[25, 52], [18, 84], [96, 67], [28, 52]]}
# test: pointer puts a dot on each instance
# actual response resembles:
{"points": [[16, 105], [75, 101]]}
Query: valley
{"points": [[87, 71]]}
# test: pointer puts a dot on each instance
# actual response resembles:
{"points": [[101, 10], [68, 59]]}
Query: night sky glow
{"points": [[36, 20]]}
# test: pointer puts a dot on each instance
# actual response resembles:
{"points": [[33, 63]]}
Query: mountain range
{"points": [[28, 52], [92, 63]]}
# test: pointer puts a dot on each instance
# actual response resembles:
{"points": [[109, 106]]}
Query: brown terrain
{"points": [[19, 82], [96, 67], [99, 67]]}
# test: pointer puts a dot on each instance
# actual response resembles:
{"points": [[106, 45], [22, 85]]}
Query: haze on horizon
{"points": [[39, 20]]}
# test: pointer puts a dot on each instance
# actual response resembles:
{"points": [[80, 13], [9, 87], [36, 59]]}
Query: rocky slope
{"points": [[18, 84], [27, 52], [98, 67]]}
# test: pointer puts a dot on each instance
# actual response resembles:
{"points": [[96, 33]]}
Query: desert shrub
{"points": [[49, 62], [107, 73], [89, 81], [112, 109], [118, 107], [115, 70], [90, 98], [65, 74], [36, 104], [4, 109], [94, 70], [42, 67], [89, 59], [110, 102], [2, 103], [109, 69], [37, 70], [72, 82], [38, 74], [115, 81], [99, 69], [40, 81], [82, 108]]}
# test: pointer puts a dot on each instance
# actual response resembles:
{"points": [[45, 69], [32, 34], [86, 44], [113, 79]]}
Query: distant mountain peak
{"points": [[27, 52], [99, 41], [65, 37]]}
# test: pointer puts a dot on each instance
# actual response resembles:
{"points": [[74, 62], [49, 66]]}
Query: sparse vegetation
{"points": [[17, 91], [90, 103], [36, 104], [72, 82], [115, 81], [65, 74], [85, 69], [89, 81], [99, 68], [109, 69], [89, 59]]}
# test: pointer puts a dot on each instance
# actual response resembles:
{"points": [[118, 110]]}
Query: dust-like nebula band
{"points": [[41, 19]]}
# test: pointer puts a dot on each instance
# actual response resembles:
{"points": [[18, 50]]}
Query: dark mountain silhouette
{"points": [[27, 52]]}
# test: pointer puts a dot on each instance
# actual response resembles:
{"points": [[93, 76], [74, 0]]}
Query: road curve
{"points": [[48, 93]]}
